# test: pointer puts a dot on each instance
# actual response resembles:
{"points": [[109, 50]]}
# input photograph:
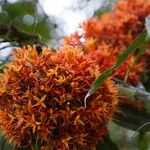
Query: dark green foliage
{"points": [[23, 15]]}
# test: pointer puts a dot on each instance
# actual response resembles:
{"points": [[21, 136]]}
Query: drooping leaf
{"points": [[142, 50], [98, 82]]}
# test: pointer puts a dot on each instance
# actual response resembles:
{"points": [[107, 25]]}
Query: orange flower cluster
{"points": [[106, 55], [42, 100], [121, 26], [108, 36]]}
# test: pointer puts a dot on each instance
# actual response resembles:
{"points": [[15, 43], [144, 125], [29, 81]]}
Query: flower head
{"points": [[42, 100], [109, 35], [106, 57], [106, 38], [121, 26]]}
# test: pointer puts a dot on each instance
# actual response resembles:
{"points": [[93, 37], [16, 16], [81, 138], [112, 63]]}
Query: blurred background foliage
{"points": [[29, 16]]}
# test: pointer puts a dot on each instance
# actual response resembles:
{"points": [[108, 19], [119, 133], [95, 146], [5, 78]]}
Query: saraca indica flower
{"points": [[42, 100]]}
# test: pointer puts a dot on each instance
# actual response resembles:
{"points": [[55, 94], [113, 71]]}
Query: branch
{"points": [[137, 95], [11, 33], [131, 118]]}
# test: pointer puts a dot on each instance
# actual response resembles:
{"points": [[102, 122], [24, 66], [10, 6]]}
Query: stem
{"points": [[135, 94], [131, 118]]}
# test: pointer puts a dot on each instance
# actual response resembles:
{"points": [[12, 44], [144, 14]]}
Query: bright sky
{"points": [[68, 14]]}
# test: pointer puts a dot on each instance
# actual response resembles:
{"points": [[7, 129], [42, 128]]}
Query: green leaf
{"points": [[14, 14], [98, 82], [142, 50]]}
